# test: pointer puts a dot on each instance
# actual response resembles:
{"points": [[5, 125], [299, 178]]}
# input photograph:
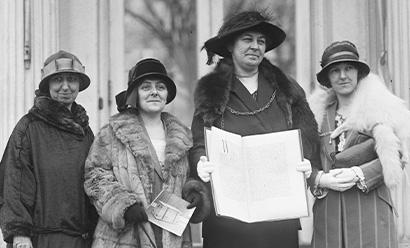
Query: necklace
{"points": [[267, 105]]}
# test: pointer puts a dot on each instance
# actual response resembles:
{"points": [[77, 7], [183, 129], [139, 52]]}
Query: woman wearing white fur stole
{"points": [[364, 135]]}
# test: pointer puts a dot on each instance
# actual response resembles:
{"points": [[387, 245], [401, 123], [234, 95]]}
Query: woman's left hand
{"points": [[305, 167], [348, 174]]}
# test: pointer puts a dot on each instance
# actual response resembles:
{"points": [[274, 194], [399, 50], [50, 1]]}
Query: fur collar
{"points": [[129, 128], [212, 92], [57, 115], [377, 111]]}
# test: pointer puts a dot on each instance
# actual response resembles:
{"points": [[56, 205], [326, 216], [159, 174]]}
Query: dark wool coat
{"points": [[43, 167], [289, 110]]}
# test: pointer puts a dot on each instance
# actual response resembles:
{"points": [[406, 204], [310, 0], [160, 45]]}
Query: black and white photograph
{"points": [[107, 104]]}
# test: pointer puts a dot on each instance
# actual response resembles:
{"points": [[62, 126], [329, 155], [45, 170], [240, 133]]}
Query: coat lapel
{"points": [[327, 128], [130, 130], [240, 90], [248, 102]]}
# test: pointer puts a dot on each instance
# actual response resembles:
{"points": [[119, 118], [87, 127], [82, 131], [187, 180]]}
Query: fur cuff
{"points": [[202, 211], [17, 229]]}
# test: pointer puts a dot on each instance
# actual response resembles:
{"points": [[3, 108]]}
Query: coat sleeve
{"points": [[198, 148], [18, 185], [109, 197], [373, 174], [303, 119], [362, 154]]}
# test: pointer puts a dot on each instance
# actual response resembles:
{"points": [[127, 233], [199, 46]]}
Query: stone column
{"points": [[29, 34]]}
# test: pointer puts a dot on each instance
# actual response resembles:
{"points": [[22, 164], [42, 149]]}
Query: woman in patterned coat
{"points": [[141, 151], [362, 153]]}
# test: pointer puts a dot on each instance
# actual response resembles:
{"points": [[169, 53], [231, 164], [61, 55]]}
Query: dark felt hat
{"points": [[340, 51], [150, 67], [237, 24], [60, 62]]}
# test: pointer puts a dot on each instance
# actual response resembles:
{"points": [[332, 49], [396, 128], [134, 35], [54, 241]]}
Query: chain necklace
{"points": [[248, 113]]}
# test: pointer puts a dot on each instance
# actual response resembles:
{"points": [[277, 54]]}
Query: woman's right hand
{"points": [[204, 169], [331, 181], [135, 214], [22, 242]]}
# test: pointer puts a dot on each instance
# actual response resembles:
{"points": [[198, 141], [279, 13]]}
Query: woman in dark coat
{"points": [[246, 95], [361, 125], [42, 196]]}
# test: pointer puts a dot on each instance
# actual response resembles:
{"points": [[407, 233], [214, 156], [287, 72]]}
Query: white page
{"points": [[275, 179], [258, 182]]}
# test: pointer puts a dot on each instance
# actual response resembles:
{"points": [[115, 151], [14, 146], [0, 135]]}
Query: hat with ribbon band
{"points": [[337, 52], [60, 62]]}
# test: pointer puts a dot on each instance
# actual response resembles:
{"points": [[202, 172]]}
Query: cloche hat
{"points": [[150, 67], [247, 20], [60, 62], [340, 51]]}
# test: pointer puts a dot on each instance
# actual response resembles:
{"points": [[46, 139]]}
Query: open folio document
{"points": [[255, 177], [169, 212]]}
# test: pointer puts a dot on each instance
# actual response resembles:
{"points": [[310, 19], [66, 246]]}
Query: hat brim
{"points": [[84, 80], [171, 87], [323, 79], [274, 35]]}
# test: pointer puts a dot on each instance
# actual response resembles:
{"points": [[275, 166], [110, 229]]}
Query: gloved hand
{"points": [[305, 167], [337, 180], [204, 169], [135, 213], [194, 198], [22, 242]]}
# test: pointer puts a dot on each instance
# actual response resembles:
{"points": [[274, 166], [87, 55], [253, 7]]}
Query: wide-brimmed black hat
{"points": [[340, 51], [60, 62], [237, 24], [150, 67]]}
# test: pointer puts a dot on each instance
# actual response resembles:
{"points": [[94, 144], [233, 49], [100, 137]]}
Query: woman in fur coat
{"points": [[363, 150], [42, 199], [247, 95], [142, 151]]}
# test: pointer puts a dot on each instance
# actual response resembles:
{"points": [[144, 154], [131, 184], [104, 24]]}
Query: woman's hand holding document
{"points": [[305, 167], [204, 169], [257, 177]]}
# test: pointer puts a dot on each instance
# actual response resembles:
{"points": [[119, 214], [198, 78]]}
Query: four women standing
{"points": [[143, 150]]}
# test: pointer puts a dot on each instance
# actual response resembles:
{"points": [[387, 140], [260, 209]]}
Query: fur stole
{"points": [[377, 111], [129, 128], [57, 115], [213, 90]]}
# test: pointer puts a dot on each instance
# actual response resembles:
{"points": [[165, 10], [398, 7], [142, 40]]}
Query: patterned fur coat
{"points": [[117, 176]]}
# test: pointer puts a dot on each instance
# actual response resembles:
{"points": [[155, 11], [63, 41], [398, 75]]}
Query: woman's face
{"points": [[64, 88], [343, 78], [248, 50], [152, 96]]}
